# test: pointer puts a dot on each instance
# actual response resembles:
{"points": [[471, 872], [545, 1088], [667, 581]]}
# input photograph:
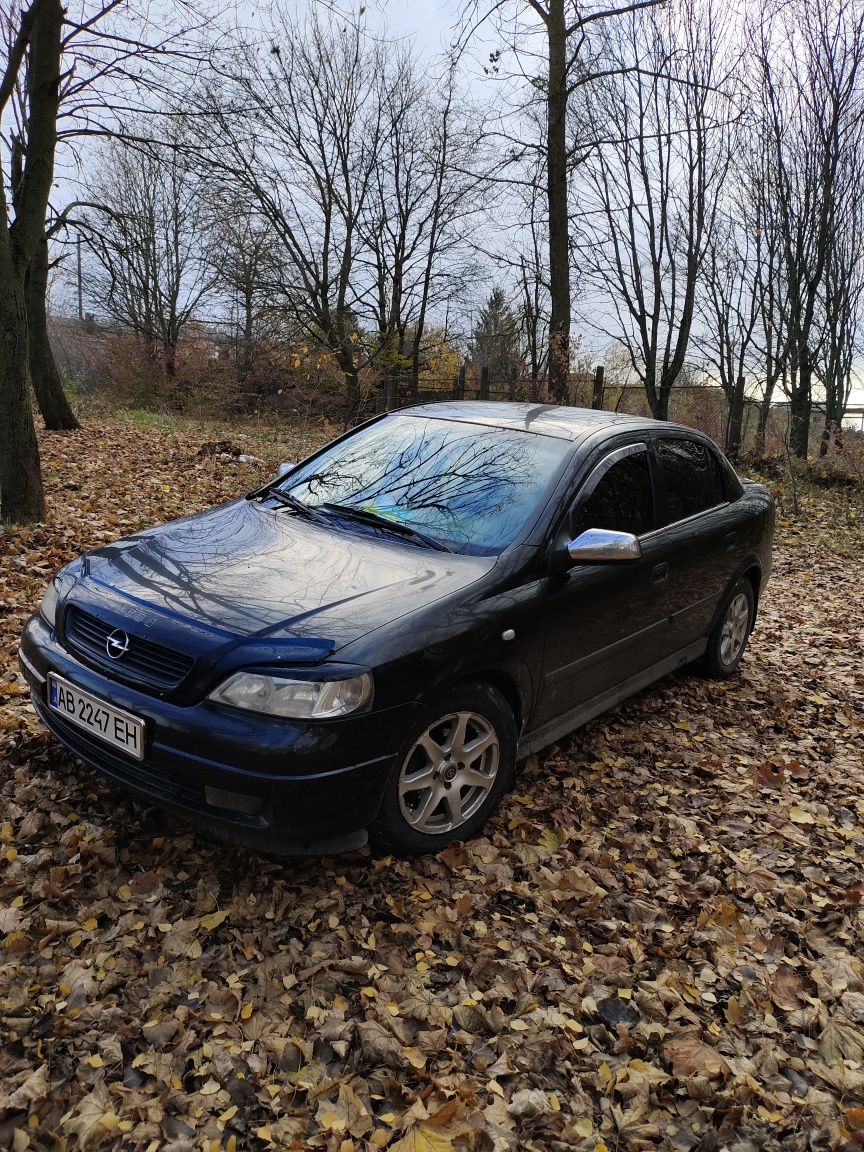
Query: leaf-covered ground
{"points": [[658, 944]]}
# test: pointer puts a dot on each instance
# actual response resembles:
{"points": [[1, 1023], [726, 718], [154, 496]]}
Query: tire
{"points": [[729, 635], [453, 796]]}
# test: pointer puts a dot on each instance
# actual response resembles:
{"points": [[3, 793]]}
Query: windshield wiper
{"points": [[364, 516], [292, 502]]}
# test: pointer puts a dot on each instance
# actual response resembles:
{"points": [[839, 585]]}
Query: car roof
{"points": [[557, 420]]}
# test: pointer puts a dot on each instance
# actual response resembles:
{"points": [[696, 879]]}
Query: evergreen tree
{"points": [[495, 340]]}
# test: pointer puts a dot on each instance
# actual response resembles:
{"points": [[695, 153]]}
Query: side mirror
{"points": [[285, 467], [601, 546]]}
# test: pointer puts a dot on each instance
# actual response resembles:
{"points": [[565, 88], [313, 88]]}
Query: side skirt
{"points": [[554, 729]]}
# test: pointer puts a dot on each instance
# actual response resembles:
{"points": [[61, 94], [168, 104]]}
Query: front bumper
{"points": [[279, 786]]}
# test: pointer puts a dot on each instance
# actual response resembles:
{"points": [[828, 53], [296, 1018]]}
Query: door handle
{"points": [[659, 573], [730, 540]]}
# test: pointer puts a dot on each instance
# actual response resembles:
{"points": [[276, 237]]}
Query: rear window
{"points": [[691, 476]]}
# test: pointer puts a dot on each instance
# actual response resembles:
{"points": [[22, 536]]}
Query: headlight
{"points": [[48, 607], [295, 699]]}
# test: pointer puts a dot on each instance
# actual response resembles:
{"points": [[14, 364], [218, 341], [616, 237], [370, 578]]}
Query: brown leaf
{"points": [[786, 988], [689, 1056]]}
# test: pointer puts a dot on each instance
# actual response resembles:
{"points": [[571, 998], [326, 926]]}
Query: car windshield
{"points": [[471, 488]]}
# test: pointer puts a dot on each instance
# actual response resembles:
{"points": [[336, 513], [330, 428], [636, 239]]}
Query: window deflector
{"points": [[614, 457]]}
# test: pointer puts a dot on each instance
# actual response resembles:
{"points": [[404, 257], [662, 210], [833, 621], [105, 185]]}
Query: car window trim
{"points": [[686, 519]]}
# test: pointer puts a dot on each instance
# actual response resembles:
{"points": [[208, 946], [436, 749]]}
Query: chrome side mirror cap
{"points": [[602, 546], [285, 467]]}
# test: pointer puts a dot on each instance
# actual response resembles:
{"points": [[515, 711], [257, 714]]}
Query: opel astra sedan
{"points": [[369, 643]]}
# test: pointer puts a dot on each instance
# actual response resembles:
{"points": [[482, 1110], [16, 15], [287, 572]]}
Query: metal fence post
{"points": [[597, 395], [484, 383]]}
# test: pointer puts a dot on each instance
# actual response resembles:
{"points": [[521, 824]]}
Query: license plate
{"points": [[113, 725]]}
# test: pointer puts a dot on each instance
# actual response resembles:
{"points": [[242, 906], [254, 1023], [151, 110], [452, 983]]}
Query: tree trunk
{"points": [[800, 407], [44, 375], [21, 495], [169, 360], [559, 228], [735, 421], [762, 426], [352, 384]]}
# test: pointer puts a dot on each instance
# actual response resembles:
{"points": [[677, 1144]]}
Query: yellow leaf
{"points": [[246, 1011], [264, 1132], [90, 925], [549, 840], [422, 1139], [109, 1120], [771, 1117], [210, 1088], [801, 816], [95, 1061], [414, 1057], [213, 920], [124, 892]]}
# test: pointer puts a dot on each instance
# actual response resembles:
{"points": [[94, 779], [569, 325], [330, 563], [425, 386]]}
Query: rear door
{"points": [[607, 622], [699, 527]]}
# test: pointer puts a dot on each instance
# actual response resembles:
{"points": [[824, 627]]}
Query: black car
{"points": [[370, 642]]}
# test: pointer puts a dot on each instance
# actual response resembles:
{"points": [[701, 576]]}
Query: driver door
{"points": [[607, 622]]}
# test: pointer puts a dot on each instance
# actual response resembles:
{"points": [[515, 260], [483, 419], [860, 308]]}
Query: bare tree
{"points": [[53, 57], [533, 281], [243, 252], [147, 238], [566, 27], [297, 128], [652, 185], [843, 302], [35, 48], [426, 197], [810, 56]]}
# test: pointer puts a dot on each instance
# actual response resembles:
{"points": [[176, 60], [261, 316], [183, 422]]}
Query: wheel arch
{"points": [[754, 574], [507, 681]]}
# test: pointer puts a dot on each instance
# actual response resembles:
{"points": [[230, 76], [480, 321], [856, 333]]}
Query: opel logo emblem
{"points": [[117, 644]]}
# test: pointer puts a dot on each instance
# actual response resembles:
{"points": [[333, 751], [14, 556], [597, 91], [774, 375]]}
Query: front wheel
{"points": [[451, 772], [729, 636]]}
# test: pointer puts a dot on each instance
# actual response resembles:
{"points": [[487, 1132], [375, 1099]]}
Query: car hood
{"points": [[245, 570]]}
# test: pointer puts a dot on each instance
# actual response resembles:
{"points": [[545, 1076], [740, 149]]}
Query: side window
{"points": [[691, 477], [621, 500]]}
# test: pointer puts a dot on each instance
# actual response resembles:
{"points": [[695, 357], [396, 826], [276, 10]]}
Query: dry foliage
{"points": [[657, 945]]}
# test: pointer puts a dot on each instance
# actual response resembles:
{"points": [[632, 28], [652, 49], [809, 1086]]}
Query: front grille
{"points": [[144, 662]]}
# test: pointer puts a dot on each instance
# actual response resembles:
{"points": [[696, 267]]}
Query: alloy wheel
{"points": [[449, 772], [736, 623]]}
